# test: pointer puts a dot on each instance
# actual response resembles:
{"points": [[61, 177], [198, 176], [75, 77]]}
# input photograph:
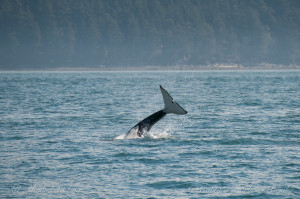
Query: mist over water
{"points": [[240, 137]]}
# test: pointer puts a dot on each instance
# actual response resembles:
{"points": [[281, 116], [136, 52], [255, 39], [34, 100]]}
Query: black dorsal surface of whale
{"points": [[146, 124]]}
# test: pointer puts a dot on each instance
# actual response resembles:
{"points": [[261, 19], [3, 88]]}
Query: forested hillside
{"points": [[91, 33]]}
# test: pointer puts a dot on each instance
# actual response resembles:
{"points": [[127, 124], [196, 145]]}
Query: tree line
{"points": [[55, 33]]}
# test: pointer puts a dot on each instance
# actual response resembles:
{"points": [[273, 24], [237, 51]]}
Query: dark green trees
{"points": [[52, 33]]}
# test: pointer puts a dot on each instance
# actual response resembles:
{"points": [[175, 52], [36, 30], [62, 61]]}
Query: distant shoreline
{"points": [[216, 67]]}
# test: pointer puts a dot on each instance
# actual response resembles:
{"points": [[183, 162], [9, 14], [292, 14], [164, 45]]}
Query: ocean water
{"points": [[240, 138]]}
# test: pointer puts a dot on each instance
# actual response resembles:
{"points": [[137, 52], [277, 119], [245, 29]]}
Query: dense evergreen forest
{"points": [[93, 33]]}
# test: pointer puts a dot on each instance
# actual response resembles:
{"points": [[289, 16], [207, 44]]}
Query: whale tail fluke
{"points": [[170, 105]]}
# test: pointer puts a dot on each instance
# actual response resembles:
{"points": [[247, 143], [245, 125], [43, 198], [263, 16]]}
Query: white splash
{"points": [[165, 134], [120, 137]]}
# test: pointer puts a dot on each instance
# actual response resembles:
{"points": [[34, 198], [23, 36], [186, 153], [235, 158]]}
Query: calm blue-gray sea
{"points": [[240, 138]]}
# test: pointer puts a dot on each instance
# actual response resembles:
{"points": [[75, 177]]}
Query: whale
{"points": [[170, 107]]}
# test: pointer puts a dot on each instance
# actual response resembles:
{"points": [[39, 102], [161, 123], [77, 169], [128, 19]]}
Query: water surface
{"points": [[240, 138]]}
